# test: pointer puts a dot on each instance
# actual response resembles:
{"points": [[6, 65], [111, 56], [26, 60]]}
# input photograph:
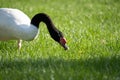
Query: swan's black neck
{"points": [[42, 17]]}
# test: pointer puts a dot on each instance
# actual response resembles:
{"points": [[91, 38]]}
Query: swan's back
{"points": [[13, 16]]}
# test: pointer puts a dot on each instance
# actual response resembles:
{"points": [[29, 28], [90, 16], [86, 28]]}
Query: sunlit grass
{"points": [[92, 30]]}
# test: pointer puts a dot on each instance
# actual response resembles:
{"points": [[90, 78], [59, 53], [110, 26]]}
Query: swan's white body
{"points": [[15, 25]]}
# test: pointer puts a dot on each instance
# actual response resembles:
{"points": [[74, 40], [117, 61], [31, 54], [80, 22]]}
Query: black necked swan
{"points": [[15, 25]]}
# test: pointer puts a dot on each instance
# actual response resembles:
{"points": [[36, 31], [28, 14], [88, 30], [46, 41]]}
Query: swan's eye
{"points": [[60, 34]]}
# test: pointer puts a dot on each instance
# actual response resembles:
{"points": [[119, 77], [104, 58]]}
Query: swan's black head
{"points": [[54, 32], [58, 36]]}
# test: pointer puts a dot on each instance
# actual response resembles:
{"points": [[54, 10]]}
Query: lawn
{"points": [[92, 30]]}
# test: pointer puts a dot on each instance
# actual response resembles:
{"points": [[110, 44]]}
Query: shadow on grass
{"points": [[102, 68]]}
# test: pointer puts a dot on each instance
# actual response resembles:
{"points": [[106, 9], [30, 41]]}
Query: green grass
{"points": [[92, 29]]}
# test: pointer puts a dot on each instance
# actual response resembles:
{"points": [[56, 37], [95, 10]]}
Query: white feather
{"points": [[14, 24]]}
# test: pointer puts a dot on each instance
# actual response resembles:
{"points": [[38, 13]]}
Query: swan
{"points": [[16, 25]]}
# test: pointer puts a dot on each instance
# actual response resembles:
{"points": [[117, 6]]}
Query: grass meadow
{"points": [[92, 30]]}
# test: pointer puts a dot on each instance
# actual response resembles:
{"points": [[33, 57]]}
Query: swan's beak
{"points": [[65, 47], [63, 43]]}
